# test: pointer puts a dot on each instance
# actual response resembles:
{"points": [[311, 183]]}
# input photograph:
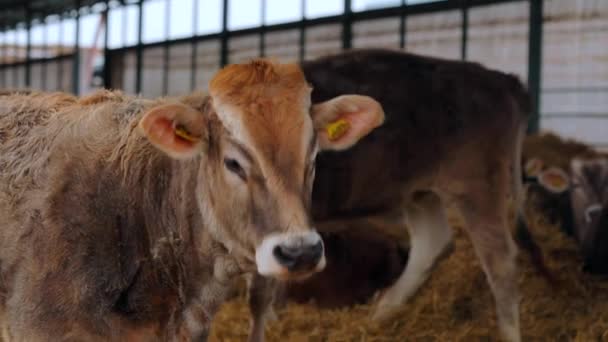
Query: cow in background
{"points": [[123, 218], [452, 137]]}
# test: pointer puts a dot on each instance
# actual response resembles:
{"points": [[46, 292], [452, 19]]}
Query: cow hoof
{"points": [[385, 313]]}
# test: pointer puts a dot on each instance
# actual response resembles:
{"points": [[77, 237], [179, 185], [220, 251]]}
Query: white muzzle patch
{"points": [[270, 263]]}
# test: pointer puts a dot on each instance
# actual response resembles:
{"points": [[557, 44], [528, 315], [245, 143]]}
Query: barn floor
{"points": [[455, 305]]}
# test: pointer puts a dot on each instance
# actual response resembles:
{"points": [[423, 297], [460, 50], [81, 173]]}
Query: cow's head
{"points": [[257, 141]]}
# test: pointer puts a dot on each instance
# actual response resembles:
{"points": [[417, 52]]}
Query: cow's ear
{"points": [[554, 180], [175, 129], [343, 120]]}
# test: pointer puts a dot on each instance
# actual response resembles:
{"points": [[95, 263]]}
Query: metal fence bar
{"points": [[402, 25], [76, 61], [575, 115], [464, 29], [194, 47], [224, 35], [28, 44], [262, 47], [139, 48], [60, 63], [347, 26], [107, 63], [166, 47], [43, 63], [302, 32], [535, 39]]}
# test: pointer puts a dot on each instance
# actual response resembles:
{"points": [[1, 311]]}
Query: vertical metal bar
{"points": [[347, 26], [15, 59], [464, 29], [534, 61], [60, 52], [263, 29], [76, 64], [107, 66], [194, 47], [224, 35], [166, 47], [139, 47], [402, 24], [125, 22], [45, 54], [302, 29], [28, 46]]}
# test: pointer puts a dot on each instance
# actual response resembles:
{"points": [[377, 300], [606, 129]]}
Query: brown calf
{"points": [[452, 136], [126, 219]]}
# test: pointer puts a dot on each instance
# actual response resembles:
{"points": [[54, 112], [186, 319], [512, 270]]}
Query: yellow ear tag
{"points": [[337, 129], [184, 134]]}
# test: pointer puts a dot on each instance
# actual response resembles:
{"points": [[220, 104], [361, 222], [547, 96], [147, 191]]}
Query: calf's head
{"points": [[256, 140]]}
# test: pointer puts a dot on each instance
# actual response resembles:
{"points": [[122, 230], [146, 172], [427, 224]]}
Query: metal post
{"points": [[139, 48], [28, 46], [76, 64], [302, 28], [224, 35], [402, 24], [534, 61], [193, 56], [347, 26], [263, 29], [107, 67], [166, 47], [60, 53], [45, 54], [465, 29]]}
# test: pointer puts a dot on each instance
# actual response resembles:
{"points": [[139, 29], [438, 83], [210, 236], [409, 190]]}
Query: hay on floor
{"points": [[456, 303]]}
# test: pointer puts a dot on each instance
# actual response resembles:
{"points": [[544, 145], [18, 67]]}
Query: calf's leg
{"points": [[430, 235], [261, 293], [485, 211]]}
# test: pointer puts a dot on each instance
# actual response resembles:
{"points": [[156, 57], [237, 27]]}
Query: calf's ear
{"points": [[343, 120], [175, 129]]}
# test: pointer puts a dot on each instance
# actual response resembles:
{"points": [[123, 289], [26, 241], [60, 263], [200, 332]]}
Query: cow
{"points": [[453, 137], [128, 219]]}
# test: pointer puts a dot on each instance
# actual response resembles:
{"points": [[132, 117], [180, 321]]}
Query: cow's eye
{"points": [[233, 166]]}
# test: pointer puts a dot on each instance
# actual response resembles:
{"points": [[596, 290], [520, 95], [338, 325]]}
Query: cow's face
{"points": [[258, 139]]}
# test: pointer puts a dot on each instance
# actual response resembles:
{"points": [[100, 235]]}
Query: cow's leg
{"points": [[430, 235], [261, 295], [485, 211]]}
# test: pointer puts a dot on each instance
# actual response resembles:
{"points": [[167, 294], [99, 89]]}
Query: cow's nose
{"points": [[303, 257]]}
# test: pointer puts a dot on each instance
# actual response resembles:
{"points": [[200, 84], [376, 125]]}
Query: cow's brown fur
{"points": [[114, 260], [103, 236], [452, 136]]}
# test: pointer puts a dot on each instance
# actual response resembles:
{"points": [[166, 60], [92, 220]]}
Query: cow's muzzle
{"points": [[290, 255]]}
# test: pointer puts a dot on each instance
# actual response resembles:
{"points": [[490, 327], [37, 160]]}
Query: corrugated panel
{"points": [[283, 45], [498, 37], [323, 40], [244, 48], [377, 33], [574, 100], [208, 62], [152, 72], [179, 68], [437, 34]]}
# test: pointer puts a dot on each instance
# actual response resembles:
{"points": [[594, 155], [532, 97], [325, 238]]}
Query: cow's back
{"points": [[436, 110]]}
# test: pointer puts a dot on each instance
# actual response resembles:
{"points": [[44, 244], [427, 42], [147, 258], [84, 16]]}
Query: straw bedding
{"points": [[456, 303]]}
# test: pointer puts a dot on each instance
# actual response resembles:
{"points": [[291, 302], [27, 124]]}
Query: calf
{"points": [[452, 136], [127, 219]]}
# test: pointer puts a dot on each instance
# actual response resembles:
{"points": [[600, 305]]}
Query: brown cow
{"points": [[453, 136], [126, 219]]}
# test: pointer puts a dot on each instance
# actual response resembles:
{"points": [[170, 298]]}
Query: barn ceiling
{"points": [[13, 12]]}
